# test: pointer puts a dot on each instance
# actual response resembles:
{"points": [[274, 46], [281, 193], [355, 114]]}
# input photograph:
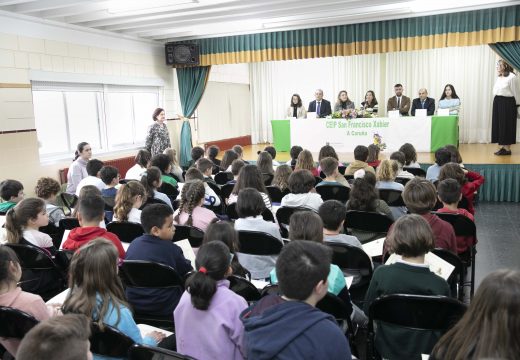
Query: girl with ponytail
{"points": [[190, 211], [129, 199], [78, 169], [207, 318], [151, 180]]}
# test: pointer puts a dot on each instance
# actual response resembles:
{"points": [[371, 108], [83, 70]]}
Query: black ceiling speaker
{"points": [[182, 54]]}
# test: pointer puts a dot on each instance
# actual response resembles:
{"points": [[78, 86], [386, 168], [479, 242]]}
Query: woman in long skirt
{"points": [[503, 128]]}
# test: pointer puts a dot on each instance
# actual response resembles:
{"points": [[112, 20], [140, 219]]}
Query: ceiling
{"points": [[174, 20]]}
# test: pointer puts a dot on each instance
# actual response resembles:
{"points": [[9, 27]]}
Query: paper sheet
{"points": [[187, 250], [145, 329], [420, 113], [437, 265], [65, 236], [260, 284], [375, 247], [349, 280], [58, 299]]}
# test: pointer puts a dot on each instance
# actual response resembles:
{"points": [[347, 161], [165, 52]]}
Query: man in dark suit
{"points": [[423, 102], [399, 101], [320, 106]]}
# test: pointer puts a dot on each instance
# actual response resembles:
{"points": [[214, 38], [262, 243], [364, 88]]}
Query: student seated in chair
{"points": [[90, 214], [48, 189], [94, 167], [110, 177], [290, 326], [207, 319], [332, 213], [11, 192], [360, 161], [151, 180], [64, 337], [205, 166], [329, 166], [210, 197], [129, 199], [163, 163], [156, 245], [411, 238], [449, 194], [236, 166], [191, 211], [303, 193]]}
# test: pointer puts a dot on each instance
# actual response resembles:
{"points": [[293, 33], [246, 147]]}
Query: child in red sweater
{"points": [[469, 181], [449, 192], [90, 214]]}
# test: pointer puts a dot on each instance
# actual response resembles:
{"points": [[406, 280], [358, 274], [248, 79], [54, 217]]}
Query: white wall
{"points": [[32, 50]]}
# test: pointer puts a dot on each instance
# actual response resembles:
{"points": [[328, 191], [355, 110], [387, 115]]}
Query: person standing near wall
{"points": [[158, 138], [78, 169], [503, 126]]}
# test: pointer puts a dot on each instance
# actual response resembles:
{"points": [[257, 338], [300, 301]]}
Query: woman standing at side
{"points": [[78, 169], [503, 128], [296, 109], [158, 138]]}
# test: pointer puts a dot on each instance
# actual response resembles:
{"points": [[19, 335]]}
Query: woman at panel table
{"points": [[296, 109], [370, 103], [450, 100], [343, 102]]}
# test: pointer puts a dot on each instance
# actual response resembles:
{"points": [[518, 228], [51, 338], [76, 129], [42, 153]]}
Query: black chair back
{"points": [[32, 257], [317, 180], [335, 306], [110, 202], [267, 178], [150, 201], [126, 231], [367, 221], [244, 288], [193, 234], [334, 192], [69, 223], [272, 289], [109, 342], [56, 233], [391, 197], [462, 225], [342, 169], [14, 323], [145, 352], [63, 258], [226, 190], [258, 243], [416, 171], [137, 274], [283, 216], [68, 200], [275, 194], [169, 190], [352, 260], [402, 180], [456, 279], [231, 211], [223, 177]]}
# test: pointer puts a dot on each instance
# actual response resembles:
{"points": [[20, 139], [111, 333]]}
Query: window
{"points": [[109, 118]]}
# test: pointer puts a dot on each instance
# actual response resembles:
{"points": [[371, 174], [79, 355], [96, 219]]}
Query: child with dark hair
{"points": [[78, 168], [162, 162], [11, 295], [90, 214], [449, 193], [303, 193], [329, 166], [272, 151], [240, 152], [205, 166], [442, 156], [469, 181], [400, 158], [265, 165], [110, 176], [373, 155], [290, 326], [294, 152], [156, 245], [225, 232], [196, 153], [410, 155], [64, 337], [175, 168], [207, 323], [48, 189], [250, 177], [332, 213], [151, 180], [420, 196], [142, 161], [412, 238], [360, 161], [227, 159], [250, 207], [236, 166], [11, 192], [94, 167], [212, 153], [191, 211]]}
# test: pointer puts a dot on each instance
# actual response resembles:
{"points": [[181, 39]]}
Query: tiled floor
{"points": [[498, 233]]}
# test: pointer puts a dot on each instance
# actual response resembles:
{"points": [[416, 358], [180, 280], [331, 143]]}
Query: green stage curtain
{"points": [[192, 83], [509, 51]]}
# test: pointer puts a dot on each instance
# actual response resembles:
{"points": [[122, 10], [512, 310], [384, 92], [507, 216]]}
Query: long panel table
{"points": [[426, 134]]}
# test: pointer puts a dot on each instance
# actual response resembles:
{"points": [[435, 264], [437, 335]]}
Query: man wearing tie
{"points": [[423, 102], [320, 106], [399, 101]]}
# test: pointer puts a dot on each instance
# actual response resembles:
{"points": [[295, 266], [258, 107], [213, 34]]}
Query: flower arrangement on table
{"points": [[351, 114], [378, 141]]}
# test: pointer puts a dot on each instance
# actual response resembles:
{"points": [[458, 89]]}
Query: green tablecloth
{"points": [[444, 131]]}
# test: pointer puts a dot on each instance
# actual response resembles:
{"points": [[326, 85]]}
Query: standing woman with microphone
{"points": [[503, 126], [158, 138]]}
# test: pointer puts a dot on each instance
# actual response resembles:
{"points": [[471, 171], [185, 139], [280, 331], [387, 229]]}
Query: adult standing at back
{"points": [[503, 126], [78, 168], [320, 106], [158, 138], [399, 101]]}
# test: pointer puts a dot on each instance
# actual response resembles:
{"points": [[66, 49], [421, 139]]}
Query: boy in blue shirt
{"points": [[110, 177], [156, 245]]}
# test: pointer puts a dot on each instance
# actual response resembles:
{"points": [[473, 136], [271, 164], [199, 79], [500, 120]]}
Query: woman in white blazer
{"points": [[296, 109]]}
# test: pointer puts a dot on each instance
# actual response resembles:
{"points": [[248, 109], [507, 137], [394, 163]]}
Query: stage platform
{"points": [[502, 173]]}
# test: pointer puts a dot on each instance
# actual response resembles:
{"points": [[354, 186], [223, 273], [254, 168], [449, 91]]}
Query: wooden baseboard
{"points": [[229, 143]]}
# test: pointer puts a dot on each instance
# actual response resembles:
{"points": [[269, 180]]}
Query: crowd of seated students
{"points": [[208, 306]]}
